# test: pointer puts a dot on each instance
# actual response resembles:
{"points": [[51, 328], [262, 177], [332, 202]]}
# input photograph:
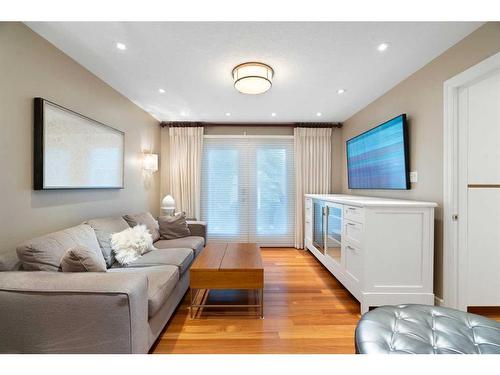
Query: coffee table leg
{"points": [[262, 303], [191, 306]]}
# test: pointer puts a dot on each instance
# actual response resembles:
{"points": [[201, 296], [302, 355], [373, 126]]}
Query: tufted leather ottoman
{"points": [[423, 329]]}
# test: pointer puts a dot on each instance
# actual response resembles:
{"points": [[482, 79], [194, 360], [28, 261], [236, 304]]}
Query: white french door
{"points": [[247, 192]]}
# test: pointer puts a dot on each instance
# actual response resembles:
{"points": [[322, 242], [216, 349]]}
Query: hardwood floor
{"points": [[492, 312], [306, 311]]}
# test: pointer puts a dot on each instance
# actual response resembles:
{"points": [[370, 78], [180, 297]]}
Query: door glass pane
{"points": [[272, 196], [222, 202]]}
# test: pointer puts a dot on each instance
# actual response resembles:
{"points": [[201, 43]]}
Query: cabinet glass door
{"points": [[333, 238], [318, 225]]}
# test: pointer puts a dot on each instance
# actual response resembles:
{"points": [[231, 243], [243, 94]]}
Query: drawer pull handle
{"points": [[351, 248], [352, 208], [351, 224]]}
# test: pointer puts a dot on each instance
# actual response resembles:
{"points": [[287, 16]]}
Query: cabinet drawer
{"points": [[353, 262], [354, 213], [353, 232]]}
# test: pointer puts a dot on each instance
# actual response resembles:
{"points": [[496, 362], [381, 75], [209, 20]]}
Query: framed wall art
{"points": [[72, 151]]}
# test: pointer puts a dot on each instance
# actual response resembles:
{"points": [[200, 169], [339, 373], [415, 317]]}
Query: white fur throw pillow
{"points": [[129, 244]]}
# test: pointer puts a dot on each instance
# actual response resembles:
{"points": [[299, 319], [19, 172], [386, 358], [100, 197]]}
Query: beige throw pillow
{"points": [[82, 259], [144, 219], [173, 226]]}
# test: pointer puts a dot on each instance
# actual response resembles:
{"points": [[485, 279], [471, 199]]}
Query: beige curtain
{"points": [[182, 149], [313, 158]]}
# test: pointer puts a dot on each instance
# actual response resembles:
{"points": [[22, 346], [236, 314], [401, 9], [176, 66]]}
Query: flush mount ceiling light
{"points": [[253, 78], [121, 46]]}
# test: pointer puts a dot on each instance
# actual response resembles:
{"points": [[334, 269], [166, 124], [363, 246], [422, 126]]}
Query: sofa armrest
{"points": [[9, 261], [198, 228], [87, 312]]}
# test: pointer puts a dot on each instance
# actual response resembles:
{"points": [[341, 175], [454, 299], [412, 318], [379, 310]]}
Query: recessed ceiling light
{"points": [[121, 46], [382, 47], [183, 114], [228, 114], [340, 91], [161, 91], [273, 114], [319, 114]]}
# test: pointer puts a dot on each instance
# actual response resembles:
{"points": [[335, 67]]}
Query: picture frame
{"points": [[73, 151]]}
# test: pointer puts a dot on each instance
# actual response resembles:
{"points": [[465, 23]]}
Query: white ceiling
{"points": [[192, 61]]}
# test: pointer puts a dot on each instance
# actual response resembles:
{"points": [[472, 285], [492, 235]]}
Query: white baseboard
{"points": [[438, 301]]}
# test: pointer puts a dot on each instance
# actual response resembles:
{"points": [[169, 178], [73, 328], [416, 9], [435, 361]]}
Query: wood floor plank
{"points": [[306, 311]]}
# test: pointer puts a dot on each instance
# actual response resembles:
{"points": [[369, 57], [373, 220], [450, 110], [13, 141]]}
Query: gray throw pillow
{"points": [[173, 226], [45, 253], [82, 259], [145, 219], [104, 228]]}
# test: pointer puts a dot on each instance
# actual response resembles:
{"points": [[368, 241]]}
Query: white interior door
{"points": [[479, 192]]}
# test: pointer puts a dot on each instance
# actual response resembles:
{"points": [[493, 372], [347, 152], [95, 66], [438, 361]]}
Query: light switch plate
{"points": [[414, 176]]}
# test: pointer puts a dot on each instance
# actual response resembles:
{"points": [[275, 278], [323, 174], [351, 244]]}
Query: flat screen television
{"points": [[379, 158]]}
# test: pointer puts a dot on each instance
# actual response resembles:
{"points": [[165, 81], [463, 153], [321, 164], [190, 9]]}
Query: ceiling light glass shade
{"points": [[253, 78]]}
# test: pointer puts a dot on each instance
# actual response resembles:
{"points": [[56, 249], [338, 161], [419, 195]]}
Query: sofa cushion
{"points": [[82, 259], [173, 226], [104, 228], [161, 282], [181, 258], [45, 253], [146, 219], [192, 242]]}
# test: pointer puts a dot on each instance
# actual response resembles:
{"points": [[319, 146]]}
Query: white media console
{"points": [[381, 250]]}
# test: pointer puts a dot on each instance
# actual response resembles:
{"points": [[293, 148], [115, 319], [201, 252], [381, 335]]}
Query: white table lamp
{"points": [[168, 205]]}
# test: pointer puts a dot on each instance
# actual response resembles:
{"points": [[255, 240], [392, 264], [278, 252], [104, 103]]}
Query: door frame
{"points": [[454, 266]]}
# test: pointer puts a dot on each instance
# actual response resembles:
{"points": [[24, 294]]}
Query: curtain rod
{"points": [[175, 124]]}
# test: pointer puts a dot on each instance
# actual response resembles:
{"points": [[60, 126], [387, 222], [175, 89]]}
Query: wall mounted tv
{"points": [[379, 158]]}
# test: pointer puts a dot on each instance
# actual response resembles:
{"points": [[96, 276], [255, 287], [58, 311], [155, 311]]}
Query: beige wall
{"points": [[30, 67], [236, 129], [421, 98]]}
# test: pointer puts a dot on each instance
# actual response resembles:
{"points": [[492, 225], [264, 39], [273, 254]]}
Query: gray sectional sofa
{"points": [[122, 310]]}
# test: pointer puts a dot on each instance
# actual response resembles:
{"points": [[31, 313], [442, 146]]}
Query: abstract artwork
{"points": [[72, 151]]}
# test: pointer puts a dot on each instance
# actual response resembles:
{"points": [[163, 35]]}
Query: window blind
{"points": [[247, 190]]}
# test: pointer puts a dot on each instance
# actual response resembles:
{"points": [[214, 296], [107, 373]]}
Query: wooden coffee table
{"points": [[227, 266]]}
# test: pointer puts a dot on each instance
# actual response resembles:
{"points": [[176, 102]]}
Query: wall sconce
{"points": [[150, 163]]}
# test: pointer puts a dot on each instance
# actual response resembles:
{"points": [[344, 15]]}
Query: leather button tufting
{"points": [[376, 330]]}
